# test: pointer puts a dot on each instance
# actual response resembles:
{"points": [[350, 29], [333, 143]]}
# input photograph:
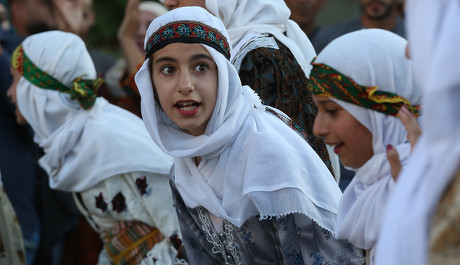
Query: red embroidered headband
{"points": [[187, 32]]}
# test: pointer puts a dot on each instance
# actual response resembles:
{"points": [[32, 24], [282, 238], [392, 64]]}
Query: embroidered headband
{"points": [[325, 81], [188, 32], [83, 90]]}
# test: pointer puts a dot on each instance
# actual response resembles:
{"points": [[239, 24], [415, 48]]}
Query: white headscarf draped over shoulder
{"points": [[82, 147], [244, 19], [253, 164], [372, 57], [434, 38]]}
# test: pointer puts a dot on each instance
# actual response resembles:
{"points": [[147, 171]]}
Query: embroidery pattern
{"points": [[83, 90], [187, 31], [118, 202], [325, 81], [100, 203], [142, 185]]}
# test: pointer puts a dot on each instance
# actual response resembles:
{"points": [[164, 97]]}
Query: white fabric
{"points": [[434, 39], [242, 17], [252, 162], [372, 57], [81, 147], [152, 7]]}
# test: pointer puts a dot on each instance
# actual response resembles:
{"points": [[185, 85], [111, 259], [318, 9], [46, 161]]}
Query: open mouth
{"points": [[338, 148], [187, 106]]}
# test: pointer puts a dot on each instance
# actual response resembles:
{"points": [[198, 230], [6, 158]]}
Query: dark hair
{"points": [[155, 94]]}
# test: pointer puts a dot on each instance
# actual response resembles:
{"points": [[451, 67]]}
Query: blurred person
{"points": [[120, 88], [422, 223], [20, 172], [383, 14], [98, 151], [32, 16], [304, 13], [271, 54], [12, 245]]}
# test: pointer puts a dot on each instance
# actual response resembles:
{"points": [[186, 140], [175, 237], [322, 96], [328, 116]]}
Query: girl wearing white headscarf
{"points": [[271, 54], [423, 216], [367, 75], [98, 151], [260, 193]]}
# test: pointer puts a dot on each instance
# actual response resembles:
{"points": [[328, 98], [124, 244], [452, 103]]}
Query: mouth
{"points": [[187, 107], [337, 147]]}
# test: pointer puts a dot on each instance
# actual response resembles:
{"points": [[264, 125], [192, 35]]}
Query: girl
{"points": [[247, 188], [359, 82], [96, 150]]}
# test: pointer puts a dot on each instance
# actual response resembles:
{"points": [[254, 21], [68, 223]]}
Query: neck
{"points": [[388, 22], [198, 160]]}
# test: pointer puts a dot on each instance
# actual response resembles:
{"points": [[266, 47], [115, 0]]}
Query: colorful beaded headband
{"points": [[188, 32], [83, 90], [325, 81]]}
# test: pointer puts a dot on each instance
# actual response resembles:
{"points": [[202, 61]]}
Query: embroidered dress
{"points": [[291, 239], [254, 170], [444, 245], [142, 197]]}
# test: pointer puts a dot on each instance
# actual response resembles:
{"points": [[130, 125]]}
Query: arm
{"points": [[126, 35]]}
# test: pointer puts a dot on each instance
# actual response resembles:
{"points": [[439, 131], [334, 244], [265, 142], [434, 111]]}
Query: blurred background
{"points": [[109, 15]]}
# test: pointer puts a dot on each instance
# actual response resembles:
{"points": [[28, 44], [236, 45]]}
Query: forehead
{"points": [[179, 50]]}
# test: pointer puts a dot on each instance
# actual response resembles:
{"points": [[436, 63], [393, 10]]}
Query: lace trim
{"points": [[213, 238]]}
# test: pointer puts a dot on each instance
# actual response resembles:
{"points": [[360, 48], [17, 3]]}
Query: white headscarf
{"points": [[153, 7], [434, 39], [372, 57], [245, 17], [253, 164], [82, 147]]}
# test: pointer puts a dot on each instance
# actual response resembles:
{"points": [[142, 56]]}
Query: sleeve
{"points": [[303, 241]]}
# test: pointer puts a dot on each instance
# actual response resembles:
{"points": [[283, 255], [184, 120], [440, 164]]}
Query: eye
{"points": [[201, 67], [167, 70], [331, 111]]}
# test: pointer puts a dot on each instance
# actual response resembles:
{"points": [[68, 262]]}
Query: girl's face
{"points": [[12, 94], [185, 79], [351, 140]]}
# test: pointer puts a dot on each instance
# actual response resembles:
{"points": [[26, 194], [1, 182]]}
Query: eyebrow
{"points": [[194, 57], [323, 101]]}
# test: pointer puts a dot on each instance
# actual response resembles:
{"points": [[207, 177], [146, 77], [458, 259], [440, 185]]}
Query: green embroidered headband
{"points": [[187, 32], [325, 81], [83, 90]]}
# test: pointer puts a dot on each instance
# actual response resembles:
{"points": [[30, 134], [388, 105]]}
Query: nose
{"points": [[171, 4], [186, 83], [319, 126]]}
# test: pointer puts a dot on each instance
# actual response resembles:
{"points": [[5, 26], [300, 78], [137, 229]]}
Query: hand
{"points": [[410, 123], [413, 133], [130, 23], [395, 162]]}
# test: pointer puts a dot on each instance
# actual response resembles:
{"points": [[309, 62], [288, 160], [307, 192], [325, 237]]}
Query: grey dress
{"points": [[292, 239]]}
